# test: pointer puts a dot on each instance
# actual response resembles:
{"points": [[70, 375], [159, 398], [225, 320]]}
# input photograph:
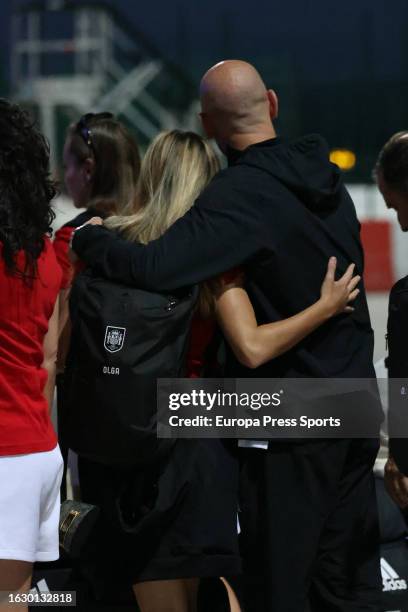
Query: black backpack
{"points": [[123, 339]]}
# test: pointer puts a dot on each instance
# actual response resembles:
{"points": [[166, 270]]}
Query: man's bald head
{"points": [[235, 98]]}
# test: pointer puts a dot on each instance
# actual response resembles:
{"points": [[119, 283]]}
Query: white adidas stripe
{"points": [[387, 571], [40, 587]]}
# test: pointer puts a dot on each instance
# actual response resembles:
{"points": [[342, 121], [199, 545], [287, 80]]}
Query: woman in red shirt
{"points": [[30, 277]]}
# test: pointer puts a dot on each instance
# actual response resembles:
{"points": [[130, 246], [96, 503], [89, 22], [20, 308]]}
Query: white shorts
{"points": [[30, 506]]}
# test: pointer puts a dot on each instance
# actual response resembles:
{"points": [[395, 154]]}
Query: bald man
{"points": [[280, 210]]}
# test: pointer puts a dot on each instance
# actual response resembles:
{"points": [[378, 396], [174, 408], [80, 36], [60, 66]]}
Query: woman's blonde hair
{"points": [[175, 169]]}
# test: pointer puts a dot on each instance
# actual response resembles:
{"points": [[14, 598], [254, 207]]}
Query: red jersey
{"points": [[203, 330], [61, 246], [202, 333], [25, 309]]}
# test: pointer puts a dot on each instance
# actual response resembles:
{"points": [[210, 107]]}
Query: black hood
{"points": [[303, 166]]}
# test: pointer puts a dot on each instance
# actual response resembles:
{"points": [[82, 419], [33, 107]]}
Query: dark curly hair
{"points": [[26, 189]]}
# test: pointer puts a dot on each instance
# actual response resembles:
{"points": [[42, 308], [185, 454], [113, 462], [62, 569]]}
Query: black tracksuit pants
{"points": [[309, 527]]}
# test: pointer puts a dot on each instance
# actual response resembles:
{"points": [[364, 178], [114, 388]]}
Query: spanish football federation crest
{"points": [[114, 338]]}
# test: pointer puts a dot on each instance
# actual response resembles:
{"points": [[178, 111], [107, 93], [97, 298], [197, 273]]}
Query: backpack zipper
{"points": [[172, 304]]}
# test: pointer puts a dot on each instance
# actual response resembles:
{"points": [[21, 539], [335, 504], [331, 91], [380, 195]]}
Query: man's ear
{"points": [[273, 104], [207, 125]]}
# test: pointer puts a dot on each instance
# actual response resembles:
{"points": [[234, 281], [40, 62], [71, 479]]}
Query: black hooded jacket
{"points": [[280, 210]]}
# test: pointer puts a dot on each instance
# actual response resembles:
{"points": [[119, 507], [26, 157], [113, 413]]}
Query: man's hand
{"points": [[93, 221], [396, 483]]}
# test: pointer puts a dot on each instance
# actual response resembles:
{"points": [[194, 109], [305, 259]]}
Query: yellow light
{"points": [[345, 159]]}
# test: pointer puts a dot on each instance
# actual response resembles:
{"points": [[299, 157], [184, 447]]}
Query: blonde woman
{"points": [[202, 541]]}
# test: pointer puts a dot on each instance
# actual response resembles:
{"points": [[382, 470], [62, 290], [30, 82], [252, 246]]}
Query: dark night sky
{"points": [[340, 68], [324, 40]]}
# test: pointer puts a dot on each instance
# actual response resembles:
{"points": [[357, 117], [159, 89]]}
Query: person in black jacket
{"points": [[391, 174], [280, 210]]}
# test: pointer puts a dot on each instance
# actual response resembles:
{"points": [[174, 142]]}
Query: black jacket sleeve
{"points": [[398, 374], [214, 236]]}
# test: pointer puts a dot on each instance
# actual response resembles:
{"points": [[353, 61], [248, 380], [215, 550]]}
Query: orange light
{"points": [[345, 159]]}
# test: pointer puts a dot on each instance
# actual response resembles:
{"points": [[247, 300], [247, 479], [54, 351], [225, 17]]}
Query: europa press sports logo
{"points": [[390, 578]]}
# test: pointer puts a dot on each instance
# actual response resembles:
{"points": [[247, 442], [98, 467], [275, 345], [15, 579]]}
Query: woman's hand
{"points": [[93, 221], [336, 296], [254, 344]]}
